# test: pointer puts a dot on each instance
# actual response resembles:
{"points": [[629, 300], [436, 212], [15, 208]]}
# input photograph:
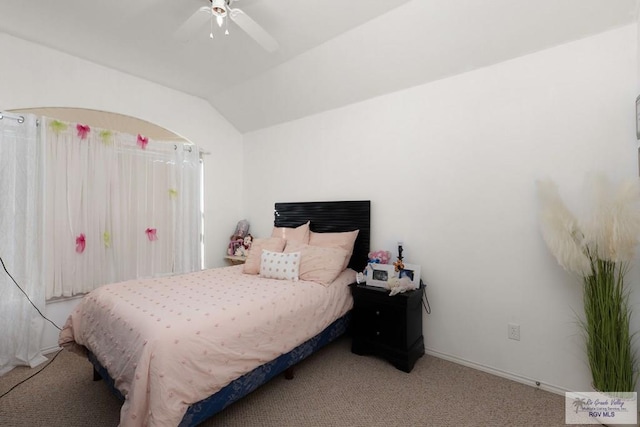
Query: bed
{"points": [[180, 323]]}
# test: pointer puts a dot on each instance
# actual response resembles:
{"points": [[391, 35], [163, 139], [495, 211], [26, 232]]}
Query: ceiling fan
{"points": [[220, 11]]}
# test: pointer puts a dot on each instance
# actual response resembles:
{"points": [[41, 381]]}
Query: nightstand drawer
{"points": [[381, 323]]}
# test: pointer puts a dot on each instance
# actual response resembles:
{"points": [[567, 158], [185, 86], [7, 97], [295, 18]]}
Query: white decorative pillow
{"points": [[278, 265]]}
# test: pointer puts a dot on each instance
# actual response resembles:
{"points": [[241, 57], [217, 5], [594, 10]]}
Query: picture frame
{"points": [[638, 117], [413, 272], [378, 274]]}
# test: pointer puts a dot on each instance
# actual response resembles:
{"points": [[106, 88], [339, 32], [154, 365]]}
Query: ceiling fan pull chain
{"points": [[211, 32]]}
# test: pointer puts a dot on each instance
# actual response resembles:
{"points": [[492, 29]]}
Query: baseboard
{"points": [[498, 372]]}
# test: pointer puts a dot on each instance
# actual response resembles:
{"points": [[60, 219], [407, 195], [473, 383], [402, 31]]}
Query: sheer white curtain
{"points": [[20, 243], [118, 207]]}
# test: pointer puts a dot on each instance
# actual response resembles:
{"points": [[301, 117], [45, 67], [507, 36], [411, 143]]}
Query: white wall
{"points": [[36, 76], [450, 168]]}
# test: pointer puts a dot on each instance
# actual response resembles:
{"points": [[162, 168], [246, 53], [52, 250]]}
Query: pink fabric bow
{"points": [[151, 234], [142, 141], [80, 243], [83, 130]]}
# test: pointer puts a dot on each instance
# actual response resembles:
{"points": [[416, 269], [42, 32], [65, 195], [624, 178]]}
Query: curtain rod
{"points": [[184, 147], [189, 148], [20, 119]]}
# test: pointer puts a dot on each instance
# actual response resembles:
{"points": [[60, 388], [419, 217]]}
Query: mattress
{"points": [[170, 342]]}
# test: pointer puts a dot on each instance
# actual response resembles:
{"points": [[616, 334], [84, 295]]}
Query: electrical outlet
{"points": [[513, 331]]}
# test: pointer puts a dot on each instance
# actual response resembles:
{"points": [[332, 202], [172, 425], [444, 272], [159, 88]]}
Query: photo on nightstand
{"points": [[378, 274], [411, 271]]}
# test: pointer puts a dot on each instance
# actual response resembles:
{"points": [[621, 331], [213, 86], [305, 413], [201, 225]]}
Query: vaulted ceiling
{"points": [[331, 53]]}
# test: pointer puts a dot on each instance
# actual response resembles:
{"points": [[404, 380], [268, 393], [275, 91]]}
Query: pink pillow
{"points": [[299, 234], [318, 264], [344, 240], [252, 264]]}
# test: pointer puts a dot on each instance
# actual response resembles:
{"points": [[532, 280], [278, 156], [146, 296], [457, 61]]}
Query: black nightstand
{"points": [[389, 327]]}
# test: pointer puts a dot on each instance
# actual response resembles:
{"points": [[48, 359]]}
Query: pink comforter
{"points": [[172, 341]]}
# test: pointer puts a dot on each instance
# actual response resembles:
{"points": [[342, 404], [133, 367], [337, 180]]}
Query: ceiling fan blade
{"points": [[193, 24], [254, 30]]}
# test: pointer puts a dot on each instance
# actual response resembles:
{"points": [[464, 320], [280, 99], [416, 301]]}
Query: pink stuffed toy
{"points": [[379, 257]]}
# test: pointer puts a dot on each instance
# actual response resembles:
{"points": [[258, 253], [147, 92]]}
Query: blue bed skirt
{"points": [[206, 408]]}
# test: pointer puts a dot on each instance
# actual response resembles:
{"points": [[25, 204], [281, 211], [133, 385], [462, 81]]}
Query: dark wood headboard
{"points": [[331, 217]]}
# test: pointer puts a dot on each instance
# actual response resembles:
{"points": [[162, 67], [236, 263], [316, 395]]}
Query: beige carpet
{"points": [[332, 388]]}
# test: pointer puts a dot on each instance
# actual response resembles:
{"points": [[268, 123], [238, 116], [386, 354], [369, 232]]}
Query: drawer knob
{"points": [[377, 332], [377, 312]]}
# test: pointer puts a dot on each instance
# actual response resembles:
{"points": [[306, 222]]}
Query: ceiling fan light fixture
{"points": [[219, 8]]}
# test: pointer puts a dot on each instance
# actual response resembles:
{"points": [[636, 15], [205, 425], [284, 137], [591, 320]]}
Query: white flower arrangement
{"points": [[599, 249], [611, 232]]}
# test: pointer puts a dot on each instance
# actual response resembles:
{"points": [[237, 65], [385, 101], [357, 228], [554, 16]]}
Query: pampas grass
{"points": [[561, 230], [599, 249]]}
